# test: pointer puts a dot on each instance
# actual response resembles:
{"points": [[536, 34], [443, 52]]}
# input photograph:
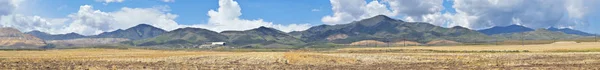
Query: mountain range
{"points": [[379, 28], [505, 29], [539, 34], [141, 31], [519, 29], [263, 37], [571, 31], [137, 32], [46, 36], [186, 36], [383, 28]]}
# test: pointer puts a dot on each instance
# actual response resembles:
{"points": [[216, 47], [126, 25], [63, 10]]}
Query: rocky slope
{"points": [[12, 38]]}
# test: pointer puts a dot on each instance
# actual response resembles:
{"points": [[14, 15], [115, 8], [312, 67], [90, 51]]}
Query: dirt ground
{"points": [[102, 59]]}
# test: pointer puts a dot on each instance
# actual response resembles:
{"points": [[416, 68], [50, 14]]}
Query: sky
{"points": [[90, 17]]}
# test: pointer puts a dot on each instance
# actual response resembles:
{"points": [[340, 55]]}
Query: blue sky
{"points": [[194, 11], [65, 16]]}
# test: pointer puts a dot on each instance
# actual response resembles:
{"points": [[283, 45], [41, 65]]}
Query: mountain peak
{"points": [[36, 31], [189, 29], [262, 27], [73, 33], [459, 27], [552, 28], [376, 20], [514, 26], [505, 29], [140, 31], [143, 25], [570, 31], [381, 18], [9, 29], [268, 29]]}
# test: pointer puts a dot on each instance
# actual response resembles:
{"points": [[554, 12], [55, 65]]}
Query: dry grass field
{"points": [[549, 56], [555, 47]]}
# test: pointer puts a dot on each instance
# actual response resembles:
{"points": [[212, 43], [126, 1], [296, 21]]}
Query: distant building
{"points": [[217, 43], [211, 44]]}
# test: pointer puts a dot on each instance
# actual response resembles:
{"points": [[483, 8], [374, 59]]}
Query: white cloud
{"points": [[416, 9], [29, 23], [119, 1], [315, 10], [8, 18], [109, 1], [345, 11], [226, 17], [474, 14], [8, 6], [168, 0], [291, 27], [88, 21], [531, 13]]}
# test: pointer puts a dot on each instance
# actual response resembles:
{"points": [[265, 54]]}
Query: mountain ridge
{"points": [[505, 29], [141, 31], [262, 36], [46, 36], [383, 28], [570, 31], [188, 35]]}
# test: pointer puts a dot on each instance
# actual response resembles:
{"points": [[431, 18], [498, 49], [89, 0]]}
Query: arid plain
{"points": [[547, 56]]}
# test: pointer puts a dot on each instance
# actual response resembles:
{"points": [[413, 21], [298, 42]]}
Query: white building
{"points": [[217, 43]]}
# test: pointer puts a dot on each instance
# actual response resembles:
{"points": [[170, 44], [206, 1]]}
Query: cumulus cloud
{"points": [[29, 23], [481, 14], [530, 13], [226, 17], [345, 11], [8, 6], [89, 21], [474, 14], [416, 10]]}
